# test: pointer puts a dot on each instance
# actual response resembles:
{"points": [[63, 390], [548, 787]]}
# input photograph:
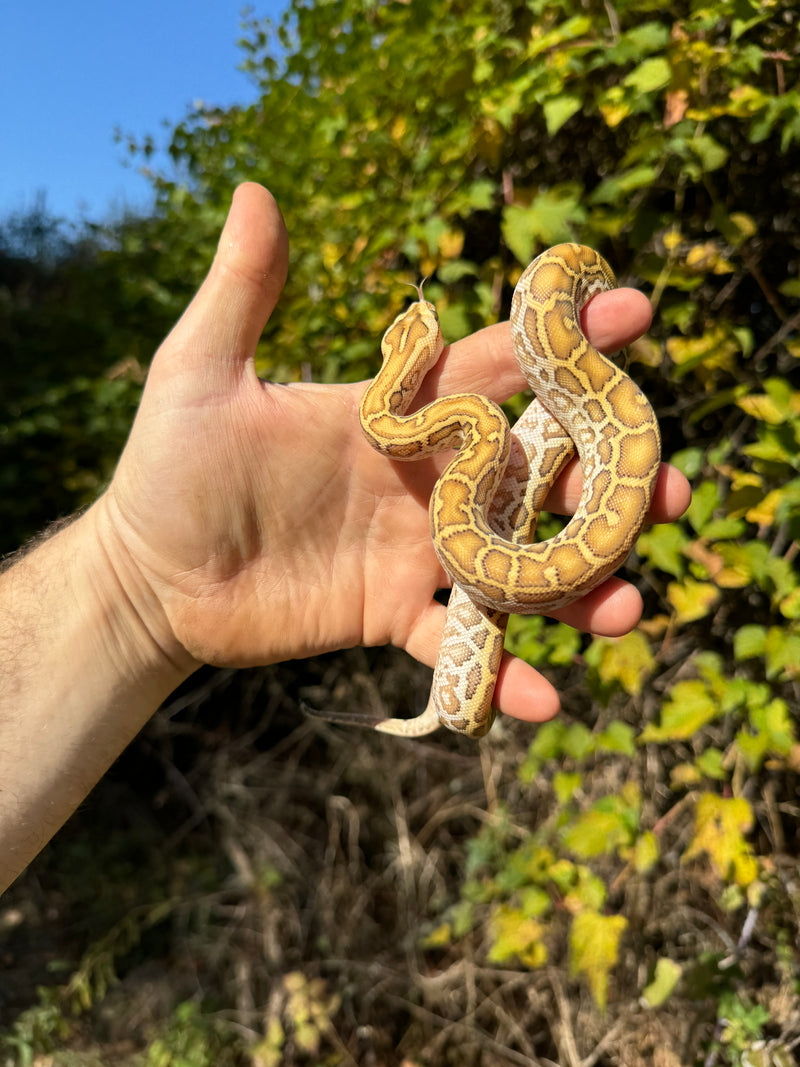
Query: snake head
{"points": [[414, 338]]}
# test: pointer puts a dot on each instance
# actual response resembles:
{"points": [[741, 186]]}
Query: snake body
{"points": [[484, 507]]}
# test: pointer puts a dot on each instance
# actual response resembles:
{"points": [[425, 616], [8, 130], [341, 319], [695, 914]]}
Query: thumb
{"points": [[224, 320]]}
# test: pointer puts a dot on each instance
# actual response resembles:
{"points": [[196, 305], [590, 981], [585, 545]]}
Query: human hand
{"points": [[251, 522]]}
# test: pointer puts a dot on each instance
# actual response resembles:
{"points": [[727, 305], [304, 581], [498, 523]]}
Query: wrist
{"points": [[127, 610]]}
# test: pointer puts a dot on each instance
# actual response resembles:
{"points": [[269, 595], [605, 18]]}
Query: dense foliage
{"points": [[76, 340], [621, 889]]}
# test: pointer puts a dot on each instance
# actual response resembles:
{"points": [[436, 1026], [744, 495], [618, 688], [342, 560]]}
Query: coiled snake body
{"points": [[484, 507]]}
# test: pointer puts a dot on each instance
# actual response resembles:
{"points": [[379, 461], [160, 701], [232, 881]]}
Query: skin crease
{"points": [[246, 523]]}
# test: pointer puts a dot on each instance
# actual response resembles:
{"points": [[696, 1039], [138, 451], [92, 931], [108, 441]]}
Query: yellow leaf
{"points": [[439, 937], [646, 852], [588, 893], [691, 599], [269, 1051], [683, 776], [713, 349], [515, 935], [763, 513], [705, 257], [646, 350], [331, 254], [746, 225], [399, 127], [627, 660], [566, 785], [451, 242], [488, 138], [719, 827], [594, 949], [790, 605], [614, 107], [737, 571], [763, 407]]}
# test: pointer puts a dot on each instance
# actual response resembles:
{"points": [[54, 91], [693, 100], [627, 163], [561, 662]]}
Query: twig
{"points": [[567, 1044]]}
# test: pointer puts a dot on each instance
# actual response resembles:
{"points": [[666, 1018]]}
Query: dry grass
{"points": [[259, 857]]}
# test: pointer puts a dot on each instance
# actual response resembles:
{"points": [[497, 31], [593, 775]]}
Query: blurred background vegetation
{"points": [[619, 887]]}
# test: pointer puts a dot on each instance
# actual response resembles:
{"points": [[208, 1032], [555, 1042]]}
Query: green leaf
{"points": [[665, 978], [782, 648], [578, 741], [689, 461], [610, 190], [543, 40], [711, 764], [559, 110], [749, 640], [688, 708], [611, 822], [551, 217], [711, 153], [455, 322], [776, 723], [665, 547], [548, 744], [705, 501], [565, 785], [617, 737], [649, 76]]}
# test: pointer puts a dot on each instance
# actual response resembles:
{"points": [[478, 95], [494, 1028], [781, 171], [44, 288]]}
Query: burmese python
{"points": [[484, 507]]}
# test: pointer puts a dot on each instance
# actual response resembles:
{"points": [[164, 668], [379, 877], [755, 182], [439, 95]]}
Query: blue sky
{"points": [[73, 72]]}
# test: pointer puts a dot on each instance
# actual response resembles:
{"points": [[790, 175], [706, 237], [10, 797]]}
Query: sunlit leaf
{"points": [[650, 75], [617, 737], [587, 891], [594, 949], [782, 648], [688, 708], [514, 936], [665, 979], [664, 546], [646, 852], [565, 785], [551, 217], [610, 823], [691, 600], [560, 110], [625, 660], [749, 640], [719, 828]]}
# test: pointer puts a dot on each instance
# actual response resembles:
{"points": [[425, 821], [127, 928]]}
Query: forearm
{"points": [[80, 673]]}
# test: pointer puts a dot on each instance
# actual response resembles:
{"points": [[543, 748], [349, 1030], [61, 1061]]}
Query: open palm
{"points": [[263, 525]]}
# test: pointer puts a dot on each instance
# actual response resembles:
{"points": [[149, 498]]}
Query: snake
{"points": [[485, 504]]}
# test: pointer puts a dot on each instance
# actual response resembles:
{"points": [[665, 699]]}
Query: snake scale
{"points": [[484, 506]]}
